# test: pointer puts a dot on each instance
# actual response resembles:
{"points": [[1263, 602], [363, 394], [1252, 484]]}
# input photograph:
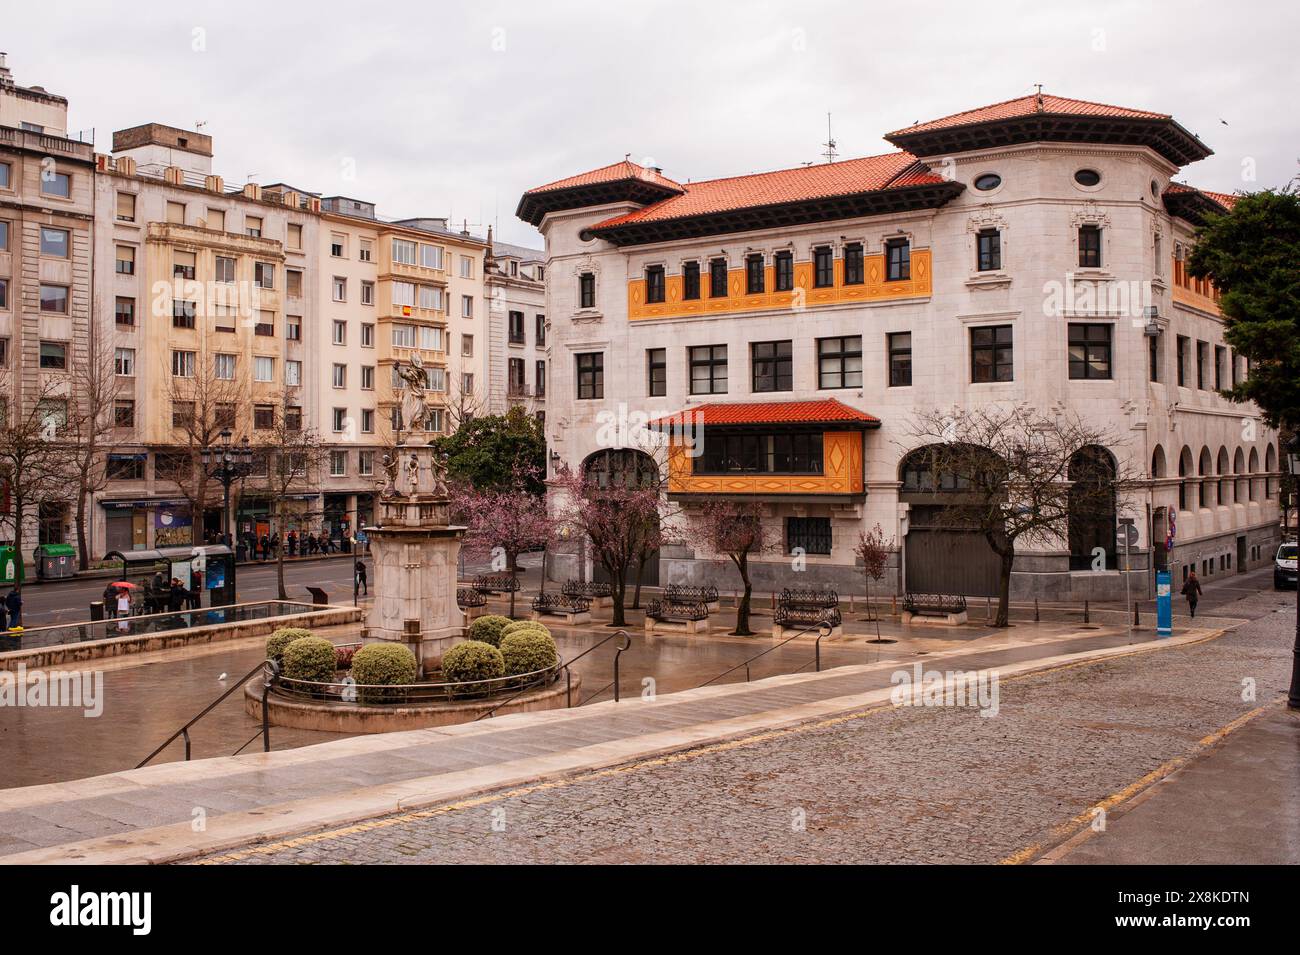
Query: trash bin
{"points": [[54, 561], [97, 610], [11, 566]]}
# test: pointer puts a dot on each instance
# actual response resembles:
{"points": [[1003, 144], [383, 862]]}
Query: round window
{"points": [[1087, 177], [988, 181], [1155, 189]]}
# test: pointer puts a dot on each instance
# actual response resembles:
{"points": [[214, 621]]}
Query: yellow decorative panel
{"points": [[841, 472], [874, 288]]}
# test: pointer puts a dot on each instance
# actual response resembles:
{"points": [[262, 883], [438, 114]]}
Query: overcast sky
{"points": [[439, 108]]}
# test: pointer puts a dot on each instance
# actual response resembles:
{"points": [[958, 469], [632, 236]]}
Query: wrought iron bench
{"points": [[492, 584], [572, 609], [802, 609], [600, 593], [467, 597], [682, 616], [951, 607], [682, 594]]}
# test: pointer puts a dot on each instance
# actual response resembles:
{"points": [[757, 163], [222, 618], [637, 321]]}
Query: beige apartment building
{"points": [[207, 296], [46, 228]]}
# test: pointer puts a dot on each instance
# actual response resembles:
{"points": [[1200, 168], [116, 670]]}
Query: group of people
{"points": [[267, 546], [160, 596]]}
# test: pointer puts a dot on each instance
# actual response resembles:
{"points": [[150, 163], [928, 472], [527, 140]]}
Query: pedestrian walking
{"points": [[14, 604], [4, 617], [110, 601], [1192, 591], [361, 577], [176, 596], [123, 603]]}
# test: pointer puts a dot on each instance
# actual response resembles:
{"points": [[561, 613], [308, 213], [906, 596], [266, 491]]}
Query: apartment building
{"points": [[46, 229], [207, 294], [517, 352], [1029, 252]]}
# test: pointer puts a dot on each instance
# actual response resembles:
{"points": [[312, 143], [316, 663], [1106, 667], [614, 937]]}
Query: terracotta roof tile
{"points": [[1225, 199], [822, 411], [615, 172], [849, 177], [1026, 106]]}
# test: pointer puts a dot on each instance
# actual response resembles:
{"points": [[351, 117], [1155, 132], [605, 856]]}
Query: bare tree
{"points": [[94, 391], [873, 549], [735, 528], [201, 406], [1015, 474], [294, 456], [36, 455]]}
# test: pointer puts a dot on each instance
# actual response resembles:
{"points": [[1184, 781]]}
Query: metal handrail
{"points": [[825, 629], [270, 667], [568, 674]]}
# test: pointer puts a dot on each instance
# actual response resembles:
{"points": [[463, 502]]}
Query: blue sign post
{"points": [[1164, 604]]}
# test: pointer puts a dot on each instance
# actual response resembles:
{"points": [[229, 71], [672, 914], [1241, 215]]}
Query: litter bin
{"points": [[54, 561], [97, 610]]}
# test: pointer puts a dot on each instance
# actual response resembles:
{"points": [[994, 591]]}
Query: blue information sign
{"points": [[1164, 604]]}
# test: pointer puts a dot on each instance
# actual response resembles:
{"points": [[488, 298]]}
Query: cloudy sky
{"points": [[438, 108]]}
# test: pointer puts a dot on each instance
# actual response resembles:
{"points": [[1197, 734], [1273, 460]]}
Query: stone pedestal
{"points": [[415, 550]]}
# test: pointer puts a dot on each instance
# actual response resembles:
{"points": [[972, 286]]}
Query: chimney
{"points": [[252, 191], [214, 184], [125, 165], [174, 175]]}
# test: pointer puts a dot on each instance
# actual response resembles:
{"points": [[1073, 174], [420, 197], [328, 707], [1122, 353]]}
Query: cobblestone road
{"points": [[898, 785]]}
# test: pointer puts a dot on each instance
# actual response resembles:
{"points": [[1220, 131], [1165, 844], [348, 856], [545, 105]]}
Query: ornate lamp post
{"points": [[227, 464], [1293, 697]]}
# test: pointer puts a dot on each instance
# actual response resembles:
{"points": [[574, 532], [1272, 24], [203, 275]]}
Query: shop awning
{"points": [[825, 411]]}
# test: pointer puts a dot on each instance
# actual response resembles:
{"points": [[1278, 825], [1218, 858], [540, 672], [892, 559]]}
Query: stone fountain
{"points": [[415, 548]]}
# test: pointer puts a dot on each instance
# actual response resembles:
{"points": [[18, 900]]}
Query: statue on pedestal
{"points": [[414, 409]]}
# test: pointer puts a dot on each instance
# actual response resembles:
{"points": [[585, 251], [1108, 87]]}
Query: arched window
{"points": [[621, 467], [1243, 483], [1092, 509], [1225, 482], [1158, 462], [1270, 467], [1254, 469], [1205, 471]]}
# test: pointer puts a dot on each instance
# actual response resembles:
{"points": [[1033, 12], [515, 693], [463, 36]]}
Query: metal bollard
{"points": [[1086, 618], [1137, 620], [1036, 618]]}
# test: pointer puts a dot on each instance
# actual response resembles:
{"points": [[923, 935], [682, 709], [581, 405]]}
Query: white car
{"points": [[1284, 566]]}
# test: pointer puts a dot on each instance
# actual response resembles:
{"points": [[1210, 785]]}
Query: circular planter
{"points": [[338, 717]]}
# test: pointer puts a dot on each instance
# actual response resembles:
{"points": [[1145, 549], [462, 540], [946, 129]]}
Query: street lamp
{"points": [[227, 463], [1293, 697]]}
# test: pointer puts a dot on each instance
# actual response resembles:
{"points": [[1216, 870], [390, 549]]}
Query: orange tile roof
{"points": [[820, 411], [615, 172], [1027, 106], [1225, 199], [824, 180]]}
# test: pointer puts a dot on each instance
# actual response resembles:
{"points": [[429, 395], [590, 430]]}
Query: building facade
{"points": [[1025, 253], [517, 352], [46, 265]]}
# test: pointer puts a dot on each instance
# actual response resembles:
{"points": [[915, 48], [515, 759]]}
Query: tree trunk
{"points": [[618, 590], [1004, 588], [512, 566], [279, 551], [20, 561], [742, 608], [640, 571], [83, 549]]}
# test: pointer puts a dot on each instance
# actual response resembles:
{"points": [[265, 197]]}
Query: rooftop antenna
{"points": [[830, 152], [199, 124], [1038, 97]]}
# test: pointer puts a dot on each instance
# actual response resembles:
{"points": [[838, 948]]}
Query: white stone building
{"points": [[515, 283], [1026, 252]]}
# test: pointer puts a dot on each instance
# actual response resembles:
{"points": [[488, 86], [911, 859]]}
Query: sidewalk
{"points": [[1211, 811], [146, 815]]}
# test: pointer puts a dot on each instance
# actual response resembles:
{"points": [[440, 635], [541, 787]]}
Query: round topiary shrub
{"points": [[528, 650], [310, 658], [487, 629], [471, 661], [518, 625], [383, 664], [280, 639]]}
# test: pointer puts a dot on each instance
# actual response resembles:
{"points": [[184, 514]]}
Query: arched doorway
{"points": [[624, 467], [1092, 524], [938, 557]]}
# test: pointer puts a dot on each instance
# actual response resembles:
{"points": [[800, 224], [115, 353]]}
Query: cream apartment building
{"points": [[46, 263], [207, 294], [1026, 252]]}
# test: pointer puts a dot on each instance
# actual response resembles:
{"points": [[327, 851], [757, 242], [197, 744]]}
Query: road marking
{"points": [[1069, 835], [385, 822]]}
